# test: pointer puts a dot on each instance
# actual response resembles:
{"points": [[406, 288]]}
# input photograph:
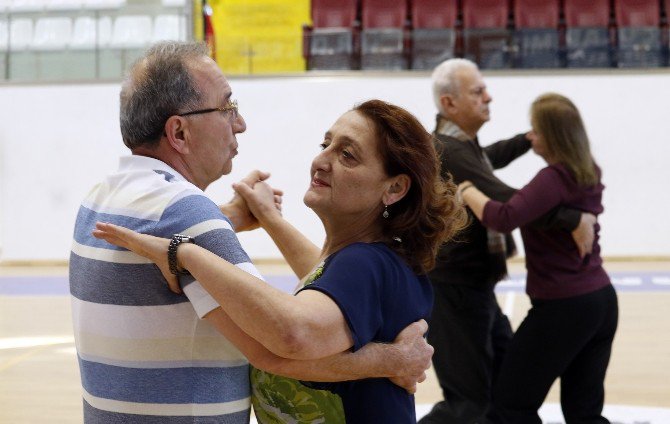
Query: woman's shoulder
{"points": [[362, 248], [561, 173], [559, 178], [377, 262], [557, 173], [372, 254]]}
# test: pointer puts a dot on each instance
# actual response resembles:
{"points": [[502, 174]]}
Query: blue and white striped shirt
{"points": [[145, 354]]}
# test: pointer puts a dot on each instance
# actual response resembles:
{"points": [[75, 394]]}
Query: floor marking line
{"points": [[508, 309], [33, 341], [27, 355], [21, 358]]}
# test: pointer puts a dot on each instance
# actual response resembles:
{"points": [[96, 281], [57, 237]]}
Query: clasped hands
{"points": [[254, 198]]}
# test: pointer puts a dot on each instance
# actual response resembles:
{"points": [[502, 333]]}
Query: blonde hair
{"points": [[557, 120]]}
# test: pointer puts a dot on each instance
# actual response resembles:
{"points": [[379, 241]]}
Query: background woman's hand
{"points": [[152, 248]]}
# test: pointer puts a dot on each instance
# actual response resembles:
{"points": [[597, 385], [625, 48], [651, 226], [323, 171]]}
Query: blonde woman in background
{"points": [[569, 329]]}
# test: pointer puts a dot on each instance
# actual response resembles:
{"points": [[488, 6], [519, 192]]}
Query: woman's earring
{"points": [[385, 214]]}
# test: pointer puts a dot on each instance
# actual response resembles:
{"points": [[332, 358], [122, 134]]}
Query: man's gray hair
{"points": [[444, 78], [157, 86]]}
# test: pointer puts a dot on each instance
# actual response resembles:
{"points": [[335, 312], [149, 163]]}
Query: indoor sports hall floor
{"points": [[39, 380]]}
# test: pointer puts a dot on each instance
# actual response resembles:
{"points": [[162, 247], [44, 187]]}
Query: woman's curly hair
{"points": [[429, 214]]}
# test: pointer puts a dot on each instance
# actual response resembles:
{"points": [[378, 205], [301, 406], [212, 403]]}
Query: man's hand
{"points": [[414, 355], [237, 209], [584, 234]]}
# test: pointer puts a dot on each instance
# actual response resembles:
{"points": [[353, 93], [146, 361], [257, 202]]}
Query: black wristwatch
{"points": [[177, 239]]}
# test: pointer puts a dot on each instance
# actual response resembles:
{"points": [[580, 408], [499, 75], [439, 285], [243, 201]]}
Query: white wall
{"points": [[57, 141]]}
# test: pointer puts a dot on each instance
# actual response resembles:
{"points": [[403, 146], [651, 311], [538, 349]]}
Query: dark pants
{"points": [[567, 338], [470, 335]]}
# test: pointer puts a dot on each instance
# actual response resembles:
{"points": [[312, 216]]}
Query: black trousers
{"points": [[470, 335], [567, 338]]}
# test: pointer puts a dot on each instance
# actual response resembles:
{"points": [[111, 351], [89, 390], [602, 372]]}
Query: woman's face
{"points": [[348, 179]]}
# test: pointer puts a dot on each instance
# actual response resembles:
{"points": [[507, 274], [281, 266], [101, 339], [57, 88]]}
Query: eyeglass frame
{"points": [[230, 105]]}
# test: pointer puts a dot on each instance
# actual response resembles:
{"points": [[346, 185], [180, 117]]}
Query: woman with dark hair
{"points": [[569, 329], [377, 189]]}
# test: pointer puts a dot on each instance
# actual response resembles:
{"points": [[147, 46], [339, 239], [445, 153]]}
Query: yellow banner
{"points": [[259, 36]]}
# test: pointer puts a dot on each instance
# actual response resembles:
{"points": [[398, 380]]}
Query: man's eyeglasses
{"points": [[230, 106]]}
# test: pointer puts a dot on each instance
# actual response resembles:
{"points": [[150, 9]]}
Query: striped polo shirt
{"points": [[145, 354]]}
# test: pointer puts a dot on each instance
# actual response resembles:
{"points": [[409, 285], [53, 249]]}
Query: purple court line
{"points": [[627, 281], [646, 281], [59, 285]]}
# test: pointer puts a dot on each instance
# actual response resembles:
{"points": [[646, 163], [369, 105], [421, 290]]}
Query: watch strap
{"points": [[176, 240]]}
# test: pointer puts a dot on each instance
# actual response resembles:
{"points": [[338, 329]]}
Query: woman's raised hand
{"points": [[238, 211], [263, 201], [152, 248]]}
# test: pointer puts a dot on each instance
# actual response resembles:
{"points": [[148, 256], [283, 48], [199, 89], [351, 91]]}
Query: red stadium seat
{"points": [[434, 14], [479, 14], [587, 33], [543, 14], [536, 36], [638, 33], [383, 13], [383, 25], [433, 32], [329, 43], [586, 13], [637, 13], [333, 13], [485, 32]]}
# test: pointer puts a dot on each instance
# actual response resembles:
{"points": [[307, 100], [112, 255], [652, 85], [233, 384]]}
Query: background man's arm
{"points": [[461, 160], [581, 226], [503, 152], [465, 166]]}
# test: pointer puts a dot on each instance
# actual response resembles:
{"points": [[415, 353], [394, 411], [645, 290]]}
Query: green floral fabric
{"points": [[278, 400]]}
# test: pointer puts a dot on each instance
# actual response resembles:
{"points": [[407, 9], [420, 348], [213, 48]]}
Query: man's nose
{"points": [[239, 124]]}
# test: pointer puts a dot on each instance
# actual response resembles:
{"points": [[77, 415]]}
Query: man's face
{"points": [[469, 107], [213, 141]]}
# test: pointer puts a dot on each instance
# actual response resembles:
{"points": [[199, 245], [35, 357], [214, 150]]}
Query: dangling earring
{"points": [[385, 214]]}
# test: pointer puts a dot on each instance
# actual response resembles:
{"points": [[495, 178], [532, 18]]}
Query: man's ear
{"points": [[447, 101], [177, 133], [397, 189]]}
